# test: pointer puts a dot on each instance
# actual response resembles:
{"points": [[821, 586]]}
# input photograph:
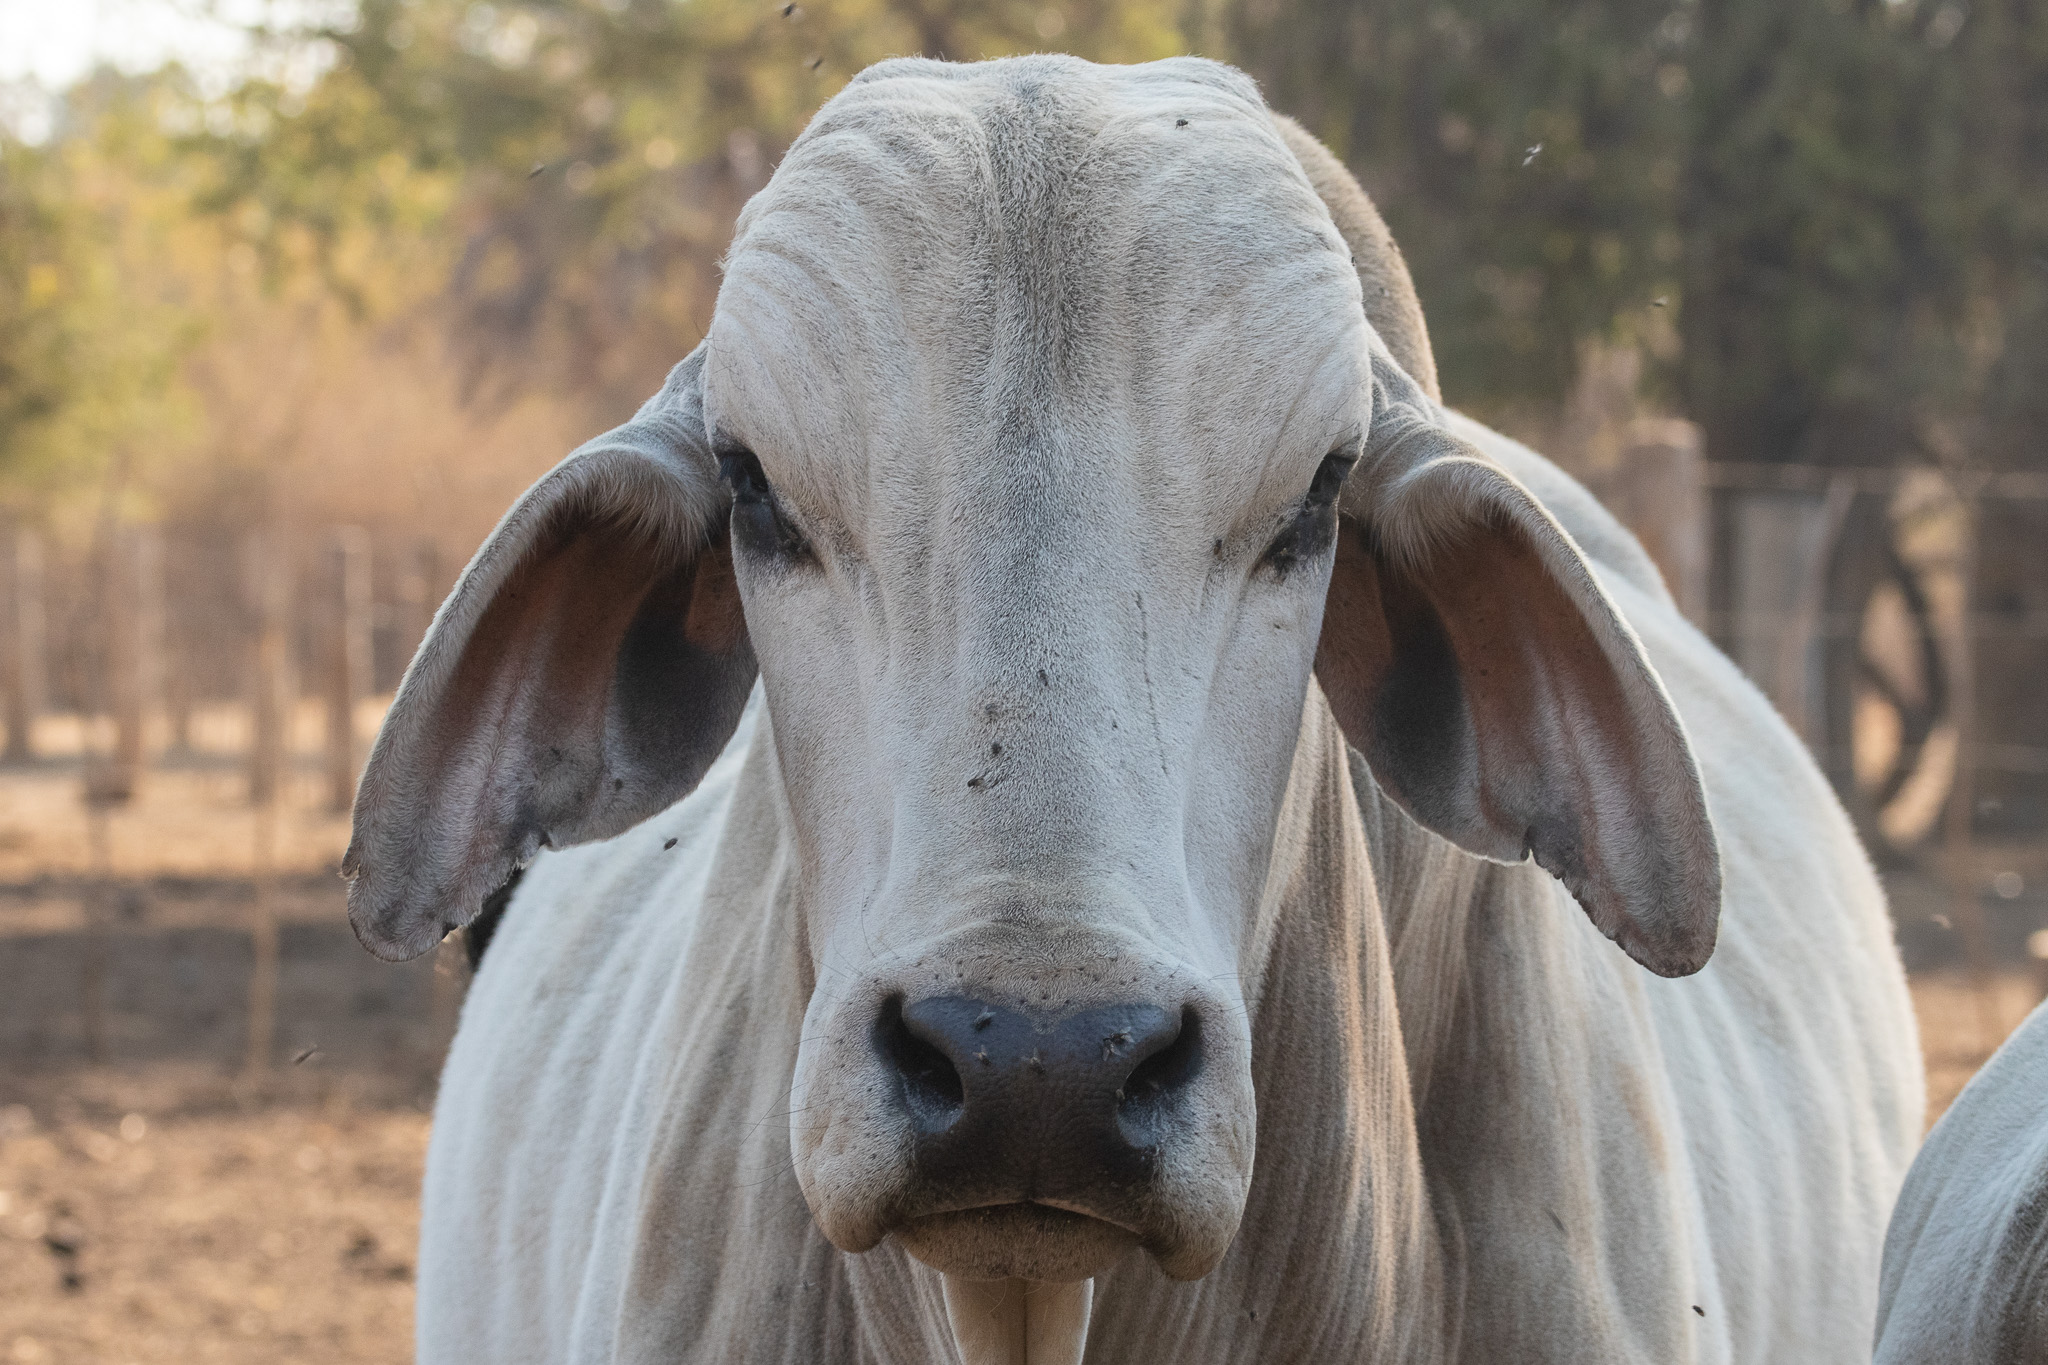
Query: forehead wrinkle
{"points": [[1237, 387], [902, 255], [1211, 298], [776, 430], [1026, 205], [1336, 354], [848, 352]]}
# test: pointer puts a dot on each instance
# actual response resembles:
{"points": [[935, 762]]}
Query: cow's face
{"points": [[1021, 455], [1035, 389]]}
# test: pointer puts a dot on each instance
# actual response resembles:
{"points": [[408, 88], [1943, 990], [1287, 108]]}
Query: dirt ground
{"points": [[156, 1204], [157, 1208], [155, 1222], [159, 1205]]}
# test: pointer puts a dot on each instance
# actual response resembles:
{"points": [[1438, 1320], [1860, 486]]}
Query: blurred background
{"points": [[295, 297]]}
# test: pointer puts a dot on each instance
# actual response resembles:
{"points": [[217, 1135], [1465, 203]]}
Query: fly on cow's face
{"points": [[1313, 527], [758, 519]]}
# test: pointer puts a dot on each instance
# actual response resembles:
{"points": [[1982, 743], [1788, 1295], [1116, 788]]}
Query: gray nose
{"points": [[1008, 1107]]}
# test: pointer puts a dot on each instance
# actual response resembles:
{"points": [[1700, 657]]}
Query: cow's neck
{"points": [[1338, 1257], [1546, 1127]]}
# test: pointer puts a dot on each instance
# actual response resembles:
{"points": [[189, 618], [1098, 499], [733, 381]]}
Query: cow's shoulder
{"points": [[553, 1090]]}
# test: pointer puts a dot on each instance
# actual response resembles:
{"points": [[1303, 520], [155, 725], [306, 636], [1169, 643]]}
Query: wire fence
{"points": [[188, 706]]}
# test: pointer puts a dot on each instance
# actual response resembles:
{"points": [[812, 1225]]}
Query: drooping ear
{"points": [[1497, 695], [590, 664]]}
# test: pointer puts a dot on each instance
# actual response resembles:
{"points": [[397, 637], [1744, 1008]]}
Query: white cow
{"points": [[1111, 924], [1966, 1260]]}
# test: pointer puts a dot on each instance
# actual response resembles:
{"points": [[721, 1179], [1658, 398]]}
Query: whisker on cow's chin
{"points": [[1019, 1322]]}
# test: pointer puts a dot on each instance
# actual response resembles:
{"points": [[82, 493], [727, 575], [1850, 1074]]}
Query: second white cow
{"points": [[1966, 1258]]}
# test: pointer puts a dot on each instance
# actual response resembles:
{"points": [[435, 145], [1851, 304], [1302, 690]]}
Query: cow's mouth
{"points": [[1022, 1240]]}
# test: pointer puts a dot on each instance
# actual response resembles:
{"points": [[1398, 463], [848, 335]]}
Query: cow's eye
{"points": [[757, 516], [1330, 476], [741, 470], [1314, 524]]}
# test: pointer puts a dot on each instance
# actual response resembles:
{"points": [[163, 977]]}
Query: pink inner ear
{"points": [[606, 671], [539, 662], [1494, 707], [572, 697], [1555, 735]]}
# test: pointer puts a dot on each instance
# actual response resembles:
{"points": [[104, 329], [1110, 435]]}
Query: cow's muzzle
{"points": [[1039, 1141], [1036, 1128]]}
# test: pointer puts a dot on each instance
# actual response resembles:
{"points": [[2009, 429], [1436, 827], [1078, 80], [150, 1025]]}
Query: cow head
{"points": [[1040, 451]]}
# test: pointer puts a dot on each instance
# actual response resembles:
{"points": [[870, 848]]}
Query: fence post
{"points": [[1966, 911], [416, 597], [451, 980], [135, 656], [99, 897], [270, 577], [271, 686], [346, 625], [27, 678], [176, 646], [109, 659], [1781, 545], [1659, 491]]}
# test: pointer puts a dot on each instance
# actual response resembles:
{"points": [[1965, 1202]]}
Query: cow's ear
{"points": [[1498, 696], [590, 664]]}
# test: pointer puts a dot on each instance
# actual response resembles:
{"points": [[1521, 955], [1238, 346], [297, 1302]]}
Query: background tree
{"points": [[1528, 157], [585, 159]]}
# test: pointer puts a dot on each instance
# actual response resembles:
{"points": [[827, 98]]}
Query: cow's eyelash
{"points": [[1312, 527], [757, 514]]}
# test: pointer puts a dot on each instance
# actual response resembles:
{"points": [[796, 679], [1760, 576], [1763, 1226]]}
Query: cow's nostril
{"points": [[930, 1083], [1147, 1096]]}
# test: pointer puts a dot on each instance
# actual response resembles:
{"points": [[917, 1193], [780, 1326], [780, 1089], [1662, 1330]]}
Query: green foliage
{"points": [[1844, 203], [1832, 230], [89, 342], [581, 162], [37, 372], [1838, 207], [1527, 155]]}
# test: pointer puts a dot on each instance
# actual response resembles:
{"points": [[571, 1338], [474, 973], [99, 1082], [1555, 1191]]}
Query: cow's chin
{"points": [[1015, 1241]]}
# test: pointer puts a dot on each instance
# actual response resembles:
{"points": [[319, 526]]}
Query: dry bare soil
{"points": [[157, 1210]]}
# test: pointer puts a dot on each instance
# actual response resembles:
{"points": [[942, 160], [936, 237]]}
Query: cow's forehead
{"points": [[998, 247]]}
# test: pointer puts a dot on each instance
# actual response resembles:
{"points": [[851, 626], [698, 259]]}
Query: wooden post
{"points": [[1965, 909], [26, 679], [1659, 491], [1796, 680], [270, 591], [1781, 546], [177, 648], [99, 895], [135, 653], [347, 628], [263, 942], [418, 596], [451, 979], [272, 693], [108, 781]]}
